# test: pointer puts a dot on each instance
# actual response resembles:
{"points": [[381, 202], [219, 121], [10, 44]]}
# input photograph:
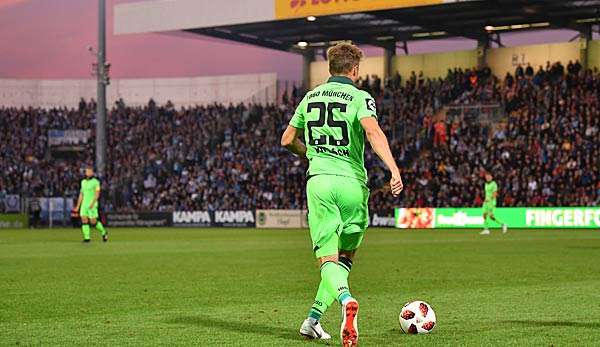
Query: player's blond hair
{"points": [[343, 57]]}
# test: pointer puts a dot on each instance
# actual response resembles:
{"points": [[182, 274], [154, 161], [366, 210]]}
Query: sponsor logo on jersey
{"points": [[337, 94], [371, 106], [335, 151]]}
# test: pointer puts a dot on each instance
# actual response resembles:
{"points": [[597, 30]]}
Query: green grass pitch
{"points": [[248, 287]]}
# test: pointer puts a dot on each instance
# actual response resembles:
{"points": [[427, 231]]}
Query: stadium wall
{"points": [[435, 64], [260, 88], [500, 60], [319, 70], [506, 59], [594, 54]]}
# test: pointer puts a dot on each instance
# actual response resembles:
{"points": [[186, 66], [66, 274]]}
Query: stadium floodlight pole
{"points": [[102, 79]]}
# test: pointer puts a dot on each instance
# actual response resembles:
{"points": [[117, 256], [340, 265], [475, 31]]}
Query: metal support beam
{"points": [[404, 47], [308, 57], [495, 38], [102, 79], [388, 57], [483, 44], [416, 20], [584, 39], [233, 36]]}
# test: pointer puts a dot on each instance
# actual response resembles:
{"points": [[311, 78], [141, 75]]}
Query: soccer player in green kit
{"points": [[87, 205], [489, 205], [334, 118]]}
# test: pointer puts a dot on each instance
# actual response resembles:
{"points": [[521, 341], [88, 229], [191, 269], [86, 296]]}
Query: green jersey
{"points": [[330, 116], [89, 187], [490, 188]]}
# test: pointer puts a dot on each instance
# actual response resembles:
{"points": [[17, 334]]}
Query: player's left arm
{"points": [[367, 116], [291, 141], [96, 196]]}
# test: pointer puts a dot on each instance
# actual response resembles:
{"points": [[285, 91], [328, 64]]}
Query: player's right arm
{"points": [[78, 202], [290, 140], [80, 199], [379, 142], [291, 136]]}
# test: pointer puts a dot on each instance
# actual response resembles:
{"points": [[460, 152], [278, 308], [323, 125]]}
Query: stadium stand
{"points": [[544, 151]]}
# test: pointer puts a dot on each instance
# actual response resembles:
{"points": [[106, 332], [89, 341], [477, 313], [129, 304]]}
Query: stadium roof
{"points": [[472, 19]]}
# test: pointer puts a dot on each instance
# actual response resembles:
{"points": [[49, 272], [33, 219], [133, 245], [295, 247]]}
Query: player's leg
{"points": [[95, 223], [85, 227], [323, 299], [493, 217], [486, 223], [325, 223], [353, 198]]}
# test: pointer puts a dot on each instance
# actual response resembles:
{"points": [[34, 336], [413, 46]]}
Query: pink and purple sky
{"points": [[48, 39]]}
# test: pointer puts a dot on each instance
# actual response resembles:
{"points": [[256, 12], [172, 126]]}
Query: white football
{"points": [[417, 317]]}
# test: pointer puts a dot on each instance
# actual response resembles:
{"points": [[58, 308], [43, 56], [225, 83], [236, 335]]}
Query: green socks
{"points": [[325, 296], [100, 228], [335, 281], [488, 221], [85, 229]]}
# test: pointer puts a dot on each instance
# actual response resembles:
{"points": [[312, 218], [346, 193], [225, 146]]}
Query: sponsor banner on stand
{"points": [[414, 218], [560, 217], [61, 141], [382, 220], [305, 219], [10, 203], [299, 219], [192, 219], [233, 218], [458, 218], [68, 137], [139, 219], [228, 218], [13, 221], [514, 217], [57, 209], [280, 218], [287, 219]]}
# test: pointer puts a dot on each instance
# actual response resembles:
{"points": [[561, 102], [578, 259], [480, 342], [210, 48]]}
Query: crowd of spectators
{"points": [[545, 150], [159, 158]]}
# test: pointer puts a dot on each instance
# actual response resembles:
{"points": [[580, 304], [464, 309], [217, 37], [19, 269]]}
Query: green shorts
{"points": [[86, 211], [338, 213], [489, 207]]}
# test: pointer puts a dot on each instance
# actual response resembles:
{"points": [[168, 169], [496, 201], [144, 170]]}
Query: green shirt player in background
{"points": [[489, 204], [334, 119], [87, 205]]}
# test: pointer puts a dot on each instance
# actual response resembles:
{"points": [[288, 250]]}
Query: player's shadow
{"points": [[534, 323], [238, 327]]}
